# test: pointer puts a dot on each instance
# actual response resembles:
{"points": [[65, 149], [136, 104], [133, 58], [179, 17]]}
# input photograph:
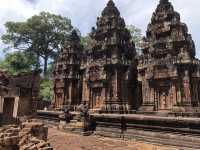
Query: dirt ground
{"points": [[68, 141]]}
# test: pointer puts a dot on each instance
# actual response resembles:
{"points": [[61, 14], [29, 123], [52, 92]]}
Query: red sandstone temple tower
{"points": [[168, 69], [66, 75], [106, 77]]}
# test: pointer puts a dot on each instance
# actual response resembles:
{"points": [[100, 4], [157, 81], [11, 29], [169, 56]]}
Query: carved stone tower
{"points": [[168, 68], [105, 83], [66, 75]]}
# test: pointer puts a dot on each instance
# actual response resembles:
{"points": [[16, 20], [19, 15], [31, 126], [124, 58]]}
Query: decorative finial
{"points": [[163, 1], [110, 3], [74, 35]]}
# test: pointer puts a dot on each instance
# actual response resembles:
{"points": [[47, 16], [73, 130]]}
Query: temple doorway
{"points": [[8, 106], [164, 99], [96, 98]]}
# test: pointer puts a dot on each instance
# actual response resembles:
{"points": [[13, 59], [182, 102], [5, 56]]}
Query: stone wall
{"points": [[183, 132], [19, 93]]}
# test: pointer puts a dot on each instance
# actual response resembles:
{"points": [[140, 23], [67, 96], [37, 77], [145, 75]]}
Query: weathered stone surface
{"points": [[66, 75], [168, 69], [27, 136], [107, 74], [156, 129], [19, 94], [104, 77]]}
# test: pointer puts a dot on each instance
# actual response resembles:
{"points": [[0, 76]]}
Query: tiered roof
{"points": [[167, 35]]}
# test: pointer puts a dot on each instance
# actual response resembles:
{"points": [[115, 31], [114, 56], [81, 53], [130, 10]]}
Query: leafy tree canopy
{"points": [[17, 62], [46, 89], [42, 35], [136, 35]]}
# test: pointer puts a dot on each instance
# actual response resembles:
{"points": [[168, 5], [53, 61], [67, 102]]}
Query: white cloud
{"points": [[83, 13]]}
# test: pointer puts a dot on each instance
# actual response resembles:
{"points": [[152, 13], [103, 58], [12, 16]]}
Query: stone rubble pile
{"points": [[27, 136], [9, 137]]}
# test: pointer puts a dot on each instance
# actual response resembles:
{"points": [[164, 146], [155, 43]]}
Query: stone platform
{"points": [[176, 131], [180, 129]]}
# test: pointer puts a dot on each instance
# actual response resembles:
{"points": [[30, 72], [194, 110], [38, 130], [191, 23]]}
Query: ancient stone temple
{"points": [[66, 75], [19, 94], [168, 69], [107, 75]]}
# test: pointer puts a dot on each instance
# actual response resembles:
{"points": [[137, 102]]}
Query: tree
{"points": [[86, 41], [18, 62], [46, 85], [46, 89], [136, 37], [42, 35]]}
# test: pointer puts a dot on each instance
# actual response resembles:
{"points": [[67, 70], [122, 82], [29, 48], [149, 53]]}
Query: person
{"points": [[67, 114], [84, 113]]}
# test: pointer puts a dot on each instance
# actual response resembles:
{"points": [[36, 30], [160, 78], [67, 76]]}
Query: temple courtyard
{"points": [[69, 141]]}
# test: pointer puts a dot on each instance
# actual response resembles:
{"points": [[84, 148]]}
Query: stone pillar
{"points": [[148, 97], [86, 97], [143, 91], [103, 98], [197, 92], [186, 88], [1, 104], [174, 96], [157, 102], [152, 98], [146, 91], [70, 93], [15, 111], [178, 93], [115, 86]]}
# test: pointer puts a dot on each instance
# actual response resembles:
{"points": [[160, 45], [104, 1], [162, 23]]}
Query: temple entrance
{"points": [[96, 98], [8, 107], [164, 99]]}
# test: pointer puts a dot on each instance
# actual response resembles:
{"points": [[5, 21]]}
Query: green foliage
{"points": [[42, 35], [18, 62], [136, 37], [46, 89], [46, 85], [86, 42]]}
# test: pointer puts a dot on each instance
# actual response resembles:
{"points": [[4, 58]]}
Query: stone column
{"points": [[197, 92], [86, 93], [70, 93], [115, 91], [186, 88], [173, 90], [1, 104], [146, 91], [152, 98], [178, 93], [15, 111]]}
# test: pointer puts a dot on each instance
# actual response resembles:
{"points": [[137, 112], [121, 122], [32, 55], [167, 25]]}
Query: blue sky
{"points": [[83, 13]]}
